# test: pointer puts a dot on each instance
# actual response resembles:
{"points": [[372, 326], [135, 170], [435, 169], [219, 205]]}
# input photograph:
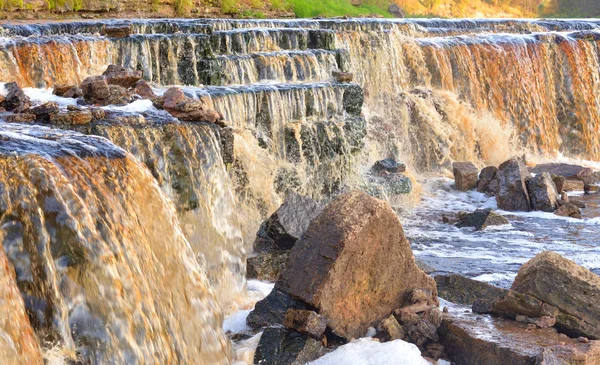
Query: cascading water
{"points": [[109, 252]]}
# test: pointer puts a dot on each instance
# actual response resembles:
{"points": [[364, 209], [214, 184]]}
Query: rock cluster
{"points": [[516, 189], [351, 270]]}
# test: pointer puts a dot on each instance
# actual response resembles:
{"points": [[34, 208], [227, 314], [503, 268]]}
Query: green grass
{"points": [[331, 8]]}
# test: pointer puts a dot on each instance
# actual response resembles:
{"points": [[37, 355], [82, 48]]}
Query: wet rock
{"points": [[95, 88], [569, 209], [513, 304], [267, 266], [67, 91], [568, 171], [43, 112], [117, 75], [394, 184], [573, 185], [341, 76], [434, 350], [421, 332], [305, 321], [284, 227], [559, 183], [227, 139], [542, 193], [282, 346], [462, 290], [117, 31], [15, 99], [577, 203], [465, 175], [480, 219], [143, 89], [488, 172], [590, 189], [513, 195], [98, 113], [20, 118], [579, 354], [353, 100], [396, 11], [389, 329], [72, 117], [271, 310], [354, 264], [190, 110], [389, 165], [571, 288], [471, 339]]}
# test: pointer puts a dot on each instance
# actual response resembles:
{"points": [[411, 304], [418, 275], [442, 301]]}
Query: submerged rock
{"points": [[465, 175], [480, 219], [284, 227], [282, 346], [543, 193], [354, 265], [512, 194], [462, 290]]}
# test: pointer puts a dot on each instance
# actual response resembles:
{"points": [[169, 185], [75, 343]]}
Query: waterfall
{"points": [[128, 236]]}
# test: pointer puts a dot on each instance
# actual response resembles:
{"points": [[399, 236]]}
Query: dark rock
{"points": [[488, 172], [482, 306], [389, 330], [116, 31], [62, 90], [563, 284], [434, 350], [20, 118], [43, 112], [305, 321], [353, 99], [117, 75], [480, 219], [396, 11], [559, 182], [15, 99], [340, 76], [282, 346], [569, 209], [74, 93], [573, 185], [389, 165], [284, 227], [513, 195], [421, 332], [267, 266], [95, 88], [227, 139], [465, 175], [271, 310], [568, 171], [354, 264], [394, 184], [143, 89], [542, 193], [462, 290]]}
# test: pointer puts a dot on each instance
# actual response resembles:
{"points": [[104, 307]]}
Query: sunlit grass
{"points": [[331, 8]]}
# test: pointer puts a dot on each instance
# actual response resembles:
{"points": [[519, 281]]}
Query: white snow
{"points": [[369, 352]]}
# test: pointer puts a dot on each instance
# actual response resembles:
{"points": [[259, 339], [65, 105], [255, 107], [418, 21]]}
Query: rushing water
{"points": [[128, 236]]}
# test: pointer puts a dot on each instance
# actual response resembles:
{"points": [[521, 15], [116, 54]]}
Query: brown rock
{"points": [[190, 110], [461, 290], [391, 330], [570, 172], [117, 75], [514, 303], [15, 99], [98, 113], [488, 172], [590, 189], [569, 210], [172, 97], [95, 88], [72, 117], [465, 175], [559, 182], [577, 354], [117, 31], [573, 185], [480, 219], [143, 89], [340, 76], [571, 288], [542, 193], [305, 321], [61, 90], [20, 118], [513, 195], [354, 264], [43, 112]]}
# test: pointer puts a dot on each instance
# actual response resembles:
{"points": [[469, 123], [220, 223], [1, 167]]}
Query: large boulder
{"points": [[354, 265], [284, 227], [15, 99], [462, 290], [542, 193], [512, 194], [480, 219], [571, 288], [282, 346], [465, 175]]}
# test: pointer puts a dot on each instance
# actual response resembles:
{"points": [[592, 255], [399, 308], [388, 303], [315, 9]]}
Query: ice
{"points": [[366, 351]]}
